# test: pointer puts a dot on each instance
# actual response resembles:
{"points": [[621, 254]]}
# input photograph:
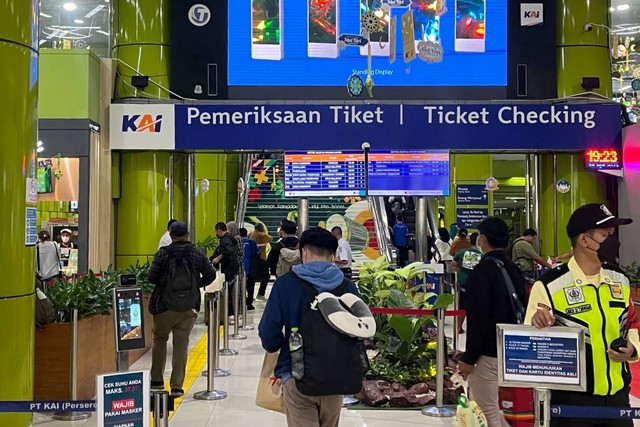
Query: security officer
{"points": [[587, 294]]}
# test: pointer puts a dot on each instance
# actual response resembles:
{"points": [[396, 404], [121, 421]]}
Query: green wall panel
{"points": [[211, 207], [69, 84], [143, 209]]}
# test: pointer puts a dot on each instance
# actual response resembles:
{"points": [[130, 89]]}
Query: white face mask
{"points": [[65, 239]]}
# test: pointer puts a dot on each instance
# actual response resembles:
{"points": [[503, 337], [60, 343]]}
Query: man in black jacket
{"points": [[489, 303], [167, 321], [289, 240], [227, 255]]}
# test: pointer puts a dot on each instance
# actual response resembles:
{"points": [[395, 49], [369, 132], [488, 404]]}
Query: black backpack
{"points": [[181, 292], [334, 363]]}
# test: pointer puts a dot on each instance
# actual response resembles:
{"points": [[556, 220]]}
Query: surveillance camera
{"points": [[366, 145], [588, 27]]}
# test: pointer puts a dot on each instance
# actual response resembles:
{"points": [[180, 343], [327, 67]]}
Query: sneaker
{"points": [[261, 298], [177, 392], [157, 385], [232, 320]]}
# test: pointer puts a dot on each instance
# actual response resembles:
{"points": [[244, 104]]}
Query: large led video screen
{"points": [[298, 43]]}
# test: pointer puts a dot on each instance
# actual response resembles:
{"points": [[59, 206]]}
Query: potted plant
{"points": [[632, 272], [403, 353]]}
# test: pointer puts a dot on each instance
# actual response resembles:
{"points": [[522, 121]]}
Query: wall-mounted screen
{"points": [[342, 173], [412, 173], [296, 43], [599, 159], [324, 174]]}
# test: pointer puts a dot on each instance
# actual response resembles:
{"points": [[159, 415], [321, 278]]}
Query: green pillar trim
{"points": [[18, 135], [142, 41], [582, 53]]}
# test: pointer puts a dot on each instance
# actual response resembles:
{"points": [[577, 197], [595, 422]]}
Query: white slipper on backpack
{"points": [[347, 314]]}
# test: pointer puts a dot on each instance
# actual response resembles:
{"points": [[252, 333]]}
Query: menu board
{"points": [[550, 358], [324, 174], [342, 173]]}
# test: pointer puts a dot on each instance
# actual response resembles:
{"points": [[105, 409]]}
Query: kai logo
{"points": [[531, 14], [142, 123]]}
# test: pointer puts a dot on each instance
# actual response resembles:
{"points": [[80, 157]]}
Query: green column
{"points": [[143, 207], [586, 187], [212, 206], [141, 40], [582, 53], [18, 134]]}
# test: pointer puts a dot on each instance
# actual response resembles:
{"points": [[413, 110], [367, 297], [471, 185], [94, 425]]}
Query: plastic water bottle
{"points": [[297, 354]]}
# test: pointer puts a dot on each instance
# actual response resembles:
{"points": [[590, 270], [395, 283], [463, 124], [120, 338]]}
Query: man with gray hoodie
{"points": [[284, 310]]}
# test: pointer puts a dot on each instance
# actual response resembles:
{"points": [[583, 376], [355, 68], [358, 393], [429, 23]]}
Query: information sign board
{"points": [[123, 399], [552, 358], [469, 218], [471, 194]]}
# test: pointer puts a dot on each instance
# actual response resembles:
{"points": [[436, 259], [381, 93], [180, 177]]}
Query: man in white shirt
{"points": [[343, 254], [165, 240]]}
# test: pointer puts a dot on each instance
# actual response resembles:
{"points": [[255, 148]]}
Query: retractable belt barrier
{"points": [[414, 311]]}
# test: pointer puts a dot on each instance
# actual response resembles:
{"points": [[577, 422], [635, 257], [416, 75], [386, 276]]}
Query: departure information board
{"points": [[342, 173], [411, 173], [324, 174]]}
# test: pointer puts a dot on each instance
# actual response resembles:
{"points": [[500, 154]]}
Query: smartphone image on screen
{"points": [[379, 39], [266, 27], [426, 23], [470, 25], [323, 28]]}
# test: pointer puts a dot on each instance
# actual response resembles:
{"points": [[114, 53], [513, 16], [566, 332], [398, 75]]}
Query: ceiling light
{"points": [[39, 144], [95, 10], [44, 15], [70, 6], [102, 32], [622, 7], [78, 21], [612, 9]]}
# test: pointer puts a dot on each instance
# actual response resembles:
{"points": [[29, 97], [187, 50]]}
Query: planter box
{"points": [[96, 354]]}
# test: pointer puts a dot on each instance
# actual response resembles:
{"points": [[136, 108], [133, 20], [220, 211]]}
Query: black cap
{"points": [[496, 229], [178, 229], [592, 216]]}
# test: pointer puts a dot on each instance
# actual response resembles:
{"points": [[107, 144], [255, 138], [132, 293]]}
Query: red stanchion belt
{"points": [[414, 311]]}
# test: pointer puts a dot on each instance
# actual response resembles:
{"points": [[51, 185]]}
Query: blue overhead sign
{"points": [[384, 126], [471, 194], [469, 218]]}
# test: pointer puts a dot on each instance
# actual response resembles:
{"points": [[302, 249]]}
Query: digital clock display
{"points": [[595, 158]]}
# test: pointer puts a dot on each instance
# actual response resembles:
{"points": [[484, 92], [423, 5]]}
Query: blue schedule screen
{"points": [[295, 43], [416, 173]]}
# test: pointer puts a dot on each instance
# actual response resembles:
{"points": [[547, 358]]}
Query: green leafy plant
{"points": [[209, 244], [405, 349], [89, 294], [632, 272]]}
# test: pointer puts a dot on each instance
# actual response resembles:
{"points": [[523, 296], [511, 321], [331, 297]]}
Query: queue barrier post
{"points": [[226, 351], [244, 326], [213, 344], [160, 408], [439, 410], [542, 407], [236, 309], [73, 415]]}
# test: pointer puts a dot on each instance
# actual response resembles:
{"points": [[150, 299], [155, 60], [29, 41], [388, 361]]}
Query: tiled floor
{"points": [[238, 409]]}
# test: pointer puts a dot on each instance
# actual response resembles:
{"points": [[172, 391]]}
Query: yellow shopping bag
{"points": [[469, 413]]}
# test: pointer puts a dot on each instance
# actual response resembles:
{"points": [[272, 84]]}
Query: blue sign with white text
{"points": [[469, 218], [471, 194], [397, 126], [541, 356]]}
